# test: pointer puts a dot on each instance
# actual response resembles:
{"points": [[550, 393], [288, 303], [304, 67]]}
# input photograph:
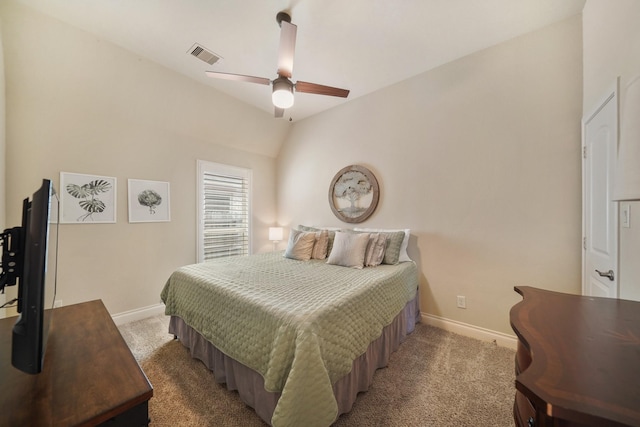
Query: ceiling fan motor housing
{"points": [[283, 16]]}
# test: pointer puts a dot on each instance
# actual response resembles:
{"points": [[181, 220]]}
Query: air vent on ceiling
{"points": [[204, 54]]}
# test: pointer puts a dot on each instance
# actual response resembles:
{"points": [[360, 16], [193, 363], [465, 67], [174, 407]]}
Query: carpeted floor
{"points": [[436, 378]]}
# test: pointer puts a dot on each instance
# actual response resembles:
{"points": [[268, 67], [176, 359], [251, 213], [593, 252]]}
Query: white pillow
{"points": [[404, 256], [349, 249]]}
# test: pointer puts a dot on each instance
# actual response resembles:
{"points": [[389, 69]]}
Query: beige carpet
{"points": [[436, 378]]}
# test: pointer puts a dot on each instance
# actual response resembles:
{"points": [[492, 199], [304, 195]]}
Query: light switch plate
{"points": [[626, 216]]}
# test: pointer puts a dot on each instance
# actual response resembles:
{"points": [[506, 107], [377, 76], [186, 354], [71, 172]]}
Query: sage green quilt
{"points": [[300, 324]]}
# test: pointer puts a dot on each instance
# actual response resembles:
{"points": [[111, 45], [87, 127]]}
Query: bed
{"points": [[297, 339]]}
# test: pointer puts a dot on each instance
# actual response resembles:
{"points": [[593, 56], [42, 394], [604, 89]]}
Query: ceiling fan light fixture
{"points": [[282, 95]]}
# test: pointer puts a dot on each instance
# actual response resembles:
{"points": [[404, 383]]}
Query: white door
{"points": [[600, 214]]}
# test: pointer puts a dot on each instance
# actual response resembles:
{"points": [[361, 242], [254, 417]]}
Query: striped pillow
{"points": [[321, 244], [375, 250]]}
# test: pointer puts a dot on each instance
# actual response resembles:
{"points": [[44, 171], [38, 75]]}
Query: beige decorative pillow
{"points": [[375, 250], [300, 245], [404, 256], [394, 242], [320, 246], [330, 230], [349, 249]]}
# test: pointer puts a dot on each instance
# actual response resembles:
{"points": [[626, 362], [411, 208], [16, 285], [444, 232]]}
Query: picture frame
{"points": [[354, 194], [87, 199], [149, 201]]}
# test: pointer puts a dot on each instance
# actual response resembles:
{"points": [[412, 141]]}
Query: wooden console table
{"points": [[578, 360], [89, 375]]}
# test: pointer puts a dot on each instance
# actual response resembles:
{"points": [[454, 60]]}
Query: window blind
{"points": [[225, 225]]}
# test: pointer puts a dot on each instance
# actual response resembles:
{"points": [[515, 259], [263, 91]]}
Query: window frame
{"points": [[204, 166]]}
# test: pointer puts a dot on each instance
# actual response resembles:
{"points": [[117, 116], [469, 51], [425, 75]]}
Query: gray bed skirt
{"points": [[250, 384]]}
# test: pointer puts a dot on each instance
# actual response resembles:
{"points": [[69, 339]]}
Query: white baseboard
{"points": [[138, 314], [460, 328]]}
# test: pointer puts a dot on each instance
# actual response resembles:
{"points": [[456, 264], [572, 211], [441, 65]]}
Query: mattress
{"points": [[299, 324]]}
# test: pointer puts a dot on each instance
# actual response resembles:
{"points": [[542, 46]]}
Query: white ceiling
{"points": [[361, 45]]}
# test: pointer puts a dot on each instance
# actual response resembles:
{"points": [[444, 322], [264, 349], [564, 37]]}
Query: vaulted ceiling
{"points": [[361, 45]]}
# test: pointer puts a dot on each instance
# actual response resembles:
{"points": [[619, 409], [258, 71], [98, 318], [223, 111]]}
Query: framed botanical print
{"points": [[149, 201], [87, 199]]}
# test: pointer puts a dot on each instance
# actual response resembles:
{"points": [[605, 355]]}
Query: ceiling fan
{"points": [[283, 87]]}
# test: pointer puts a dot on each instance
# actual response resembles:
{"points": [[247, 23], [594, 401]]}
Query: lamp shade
{"points": [[275, 234], [282, 95], [627, 173]]}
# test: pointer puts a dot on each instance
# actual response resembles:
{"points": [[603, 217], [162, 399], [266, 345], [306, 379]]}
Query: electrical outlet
{"points": [[57, 303], [462, 301]]}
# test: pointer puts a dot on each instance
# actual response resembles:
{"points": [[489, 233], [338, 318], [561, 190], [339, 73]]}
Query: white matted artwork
{"points": [[149, 201], [87, 199]]}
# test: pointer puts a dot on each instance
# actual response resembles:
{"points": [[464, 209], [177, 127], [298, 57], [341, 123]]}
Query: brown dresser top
{"points": [[585, 355]]}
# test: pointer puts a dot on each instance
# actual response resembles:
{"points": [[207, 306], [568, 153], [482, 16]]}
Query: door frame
{"points": [[612, 93]]}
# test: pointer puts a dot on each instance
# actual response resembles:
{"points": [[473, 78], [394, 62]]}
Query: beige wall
{"points": [[2, 150], [480, 158], [612, 50], [76, 103], [2, 134]]}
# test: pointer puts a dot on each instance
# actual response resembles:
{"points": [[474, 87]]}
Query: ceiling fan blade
{"points": [[239, 77], [278, 112], [321, 89], [287, 48]]}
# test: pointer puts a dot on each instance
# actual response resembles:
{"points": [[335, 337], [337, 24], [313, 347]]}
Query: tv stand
{"points": [[89, 377]]}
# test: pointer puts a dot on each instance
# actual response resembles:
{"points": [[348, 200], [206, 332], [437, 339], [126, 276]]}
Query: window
{"points": [[223, 210]]}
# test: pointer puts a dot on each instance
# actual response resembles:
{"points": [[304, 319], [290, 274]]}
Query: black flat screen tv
{"points": [[29, 259]]}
